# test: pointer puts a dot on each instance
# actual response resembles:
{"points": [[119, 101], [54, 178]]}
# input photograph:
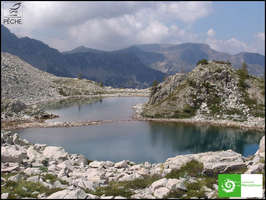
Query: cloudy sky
{"points": [[230, 27]]}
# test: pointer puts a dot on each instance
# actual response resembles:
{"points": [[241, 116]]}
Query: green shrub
{"points": [[192, 168], [202, 61], [16, 189], [124, 188], [175, 194]]}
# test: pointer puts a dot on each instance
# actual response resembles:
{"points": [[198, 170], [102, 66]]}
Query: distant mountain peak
{"points": [[82, 49]]}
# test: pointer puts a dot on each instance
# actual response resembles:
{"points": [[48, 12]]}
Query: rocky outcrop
{"points": [[64, 175], [256, 164], [20, 80], [210, 91], [13, 109]]}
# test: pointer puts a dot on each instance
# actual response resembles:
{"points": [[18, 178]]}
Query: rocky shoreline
{"points": [[30, 124], [257, 124], [15, 114], [41, 171]]}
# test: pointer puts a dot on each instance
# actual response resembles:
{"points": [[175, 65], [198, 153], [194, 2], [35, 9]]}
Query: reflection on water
{"points": [[195, 139], [111, 108], [144, 141]]}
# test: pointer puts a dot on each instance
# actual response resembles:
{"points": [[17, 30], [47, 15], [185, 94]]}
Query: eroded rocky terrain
{"points": [[41, 171], [211, 91]]}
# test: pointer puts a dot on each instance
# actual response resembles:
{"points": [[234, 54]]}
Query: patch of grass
{"points": [[241, 170], [187, 112], [209, 182], [257, 110], [52, 178], [158, 115], [124, 188], [43, 169], [196, 193], [17, 189], [234, 111], [192, 168], [193, 186], [113, 189], [213, 103], [175, 194], [7, 175], [52, 190], [140, 183]]}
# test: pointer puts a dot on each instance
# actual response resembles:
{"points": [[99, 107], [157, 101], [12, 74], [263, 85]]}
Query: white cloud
{"points": [[210, 32], [232, 45], [186, 11], [108, 25], [154, 32], [115, 25], [260, 36]]}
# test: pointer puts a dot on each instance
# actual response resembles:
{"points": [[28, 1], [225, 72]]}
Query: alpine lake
{"points": [[126, 139]]}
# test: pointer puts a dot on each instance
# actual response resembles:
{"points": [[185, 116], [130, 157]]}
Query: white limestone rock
{"points": [[121, 164], [16, 178], [173, 184], [13, 153], [34, 155], [157, 184], [96, 164], [32, 171], [4, 196], [68, 194], [55, 153], [34, 179], [161, 192]]}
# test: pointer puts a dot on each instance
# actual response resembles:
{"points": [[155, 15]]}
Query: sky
{"points": [[230, 27]]}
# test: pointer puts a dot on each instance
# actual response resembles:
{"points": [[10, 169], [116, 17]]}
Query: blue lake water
{"points": [[137, 141], [111, 108]]}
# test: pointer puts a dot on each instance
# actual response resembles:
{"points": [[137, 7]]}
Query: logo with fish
{"points": [[12, 13]]}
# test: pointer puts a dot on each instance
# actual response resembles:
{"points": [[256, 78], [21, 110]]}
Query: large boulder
{"points": [[32, 171], [157, 184], [213, 162], [55, 153], [34, 155], [68, 194], [161, 192], [221, 161], [13, 153]]}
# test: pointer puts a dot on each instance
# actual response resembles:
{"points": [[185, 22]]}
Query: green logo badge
{"points": [[229, 185]]}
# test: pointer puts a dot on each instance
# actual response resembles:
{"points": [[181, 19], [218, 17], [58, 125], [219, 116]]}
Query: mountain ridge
{"points": [[118, 74], [149, 61], [173, 58]]}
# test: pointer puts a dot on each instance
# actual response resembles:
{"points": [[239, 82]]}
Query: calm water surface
{"points": [[111, 108], [136, 140]]}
